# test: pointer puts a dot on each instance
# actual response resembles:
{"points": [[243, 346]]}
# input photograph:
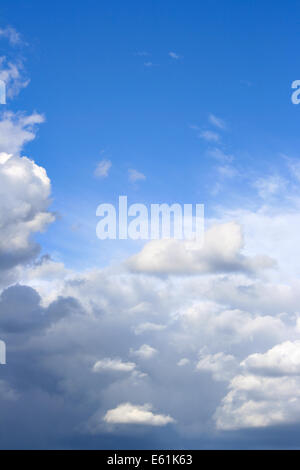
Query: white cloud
{"points": [[99, 325], [227, 171], [218, 154], [221, 252], [267, 226], [294, 166], [135, 175], [102, 169], [148, 326], [126, 413], [24, 200], [144, 352], [267, 393], [11, 34], [45, 269], [183, 362], [12, 74], [256, 401], [4, 157], [270, 186], [114, 365], [175, 56], [209, 136], [16, 130], [222, 366], [282, 359], [206, 134], [142, 54], [217, 121]]}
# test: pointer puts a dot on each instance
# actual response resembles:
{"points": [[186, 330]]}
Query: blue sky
{"points": [[237, 60], [194, 100]]}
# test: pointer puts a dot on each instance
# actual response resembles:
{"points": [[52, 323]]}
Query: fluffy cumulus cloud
{"points": [[74, 355], [126, 413], [283, 359], [220, 253], [24, 201], [16, 130], [265, 392], [24, 193]]}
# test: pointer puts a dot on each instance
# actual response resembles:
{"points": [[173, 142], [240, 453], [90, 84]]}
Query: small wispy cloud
{"points": [[108, 364], [218, 154], [143, 54], [148, 64], [205, 134], [11, 35], [135, 175], [216, 121], [103, 168], [12, 74], [293, 166], [148, 326], [209, 136], [175, 56], [194, 127], [183, 362], [270, 186], [227, 171], [144, 352], [224, 173]]}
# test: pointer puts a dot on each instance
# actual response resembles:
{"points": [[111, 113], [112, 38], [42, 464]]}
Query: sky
{"points": [[131, 344]]}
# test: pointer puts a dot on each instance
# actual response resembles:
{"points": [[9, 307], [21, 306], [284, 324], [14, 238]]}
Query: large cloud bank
{"points": [[180, 343]]}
